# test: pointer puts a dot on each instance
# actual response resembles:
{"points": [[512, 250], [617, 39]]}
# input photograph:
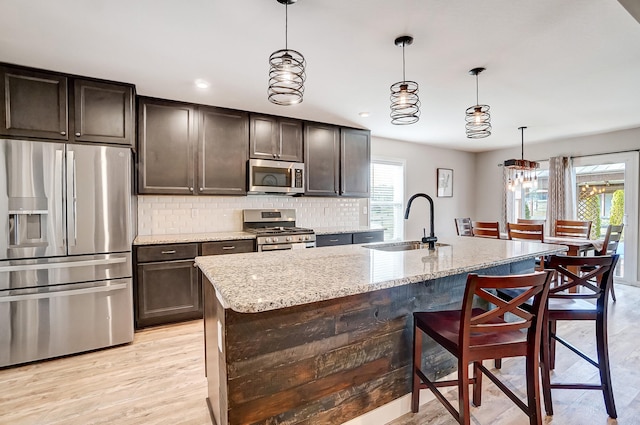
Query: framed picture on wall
{"points": [[445, 182]]}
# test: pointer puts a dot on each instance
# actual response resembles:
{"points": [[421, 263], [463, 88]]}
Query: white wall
{"points": [[488, 181], [422, 161]]}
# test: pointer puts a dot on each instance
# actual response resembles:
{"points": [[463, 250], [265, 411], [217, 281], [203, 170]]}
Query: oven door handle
{"points": [[281, 247]]}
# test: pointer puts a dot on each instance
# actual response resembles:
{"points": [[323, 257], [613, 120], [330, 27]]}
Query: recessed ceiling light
{"points": [[202, 84], [364, 114]]}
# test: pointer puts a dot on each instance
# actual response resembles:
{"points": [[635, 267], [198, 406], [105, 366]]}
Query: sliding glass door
{"points": [[607, 193]]}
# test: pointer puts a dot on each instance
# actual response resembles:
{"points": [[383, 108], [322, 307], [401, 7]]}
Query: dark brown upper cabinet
{"points": [[103, 112], [355, 160], [275, 138], [34, 104], [321, 158], [46, 105], [167, 139], [186, 149], [222, 151]]}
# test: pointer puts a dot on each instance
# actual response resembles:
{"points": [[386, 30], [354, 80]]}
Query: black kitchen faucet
{"points": [[431, 240]]}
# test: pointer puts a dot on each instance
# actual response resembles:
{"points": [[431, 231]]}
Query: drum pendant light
{"points": [[405, 104], [286, 70], [477, 116]]}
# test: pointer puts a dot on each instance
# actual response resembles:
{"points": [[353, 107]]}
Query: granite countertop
{"points": [[262, 281], [344, 229], [192, 237]]}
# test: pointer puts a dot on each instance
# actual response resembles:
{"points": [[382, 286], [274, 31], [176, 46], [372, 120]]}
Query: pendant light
{"points": [[286, 70], [405, 105], [521, 171], [477, 116]]}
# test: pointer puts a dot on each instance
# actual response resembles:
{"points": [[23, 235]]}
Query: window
{"points": [[387, 194]]}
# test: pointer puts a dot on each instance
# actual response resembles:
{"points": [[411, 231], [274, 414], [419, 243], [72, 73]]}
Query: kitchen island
{"points": [[324, 335]]}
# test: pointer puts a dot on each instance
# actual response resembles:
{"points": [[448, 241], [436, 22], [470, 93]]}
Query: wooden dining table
{"points": [[576, 246]]}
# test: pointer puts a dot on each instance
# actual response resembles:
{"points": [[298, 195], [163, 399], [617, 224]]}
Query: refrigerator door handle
{"points": [[41, 295], [49, 266], [58, 199], [72, 198]]}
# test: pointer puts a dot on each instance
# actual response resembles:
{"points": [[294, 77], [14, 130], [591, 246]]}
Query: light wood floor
{"points": [[159, 379]]}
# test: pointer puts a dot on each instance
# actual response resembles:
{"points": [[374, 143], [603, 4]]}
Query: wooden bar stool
{"points": [[595, 285], [475, 334]]}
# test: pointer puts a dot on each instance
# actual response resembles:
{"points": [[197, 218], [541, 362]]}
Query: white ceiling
{"points": [[562, 68]]}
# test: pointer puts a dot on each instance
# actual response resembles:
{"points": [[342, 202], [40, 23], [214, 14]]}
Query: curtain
{"points": [[561, 199], [507, 211]]}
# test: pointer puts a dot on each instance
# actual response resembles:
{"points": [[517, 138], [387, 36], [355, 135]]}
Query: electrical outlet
{"points": [[365, 210]]}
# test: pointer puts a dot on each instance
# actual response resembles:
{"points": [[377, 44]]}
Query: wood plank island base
{"points": [[321, 336]]}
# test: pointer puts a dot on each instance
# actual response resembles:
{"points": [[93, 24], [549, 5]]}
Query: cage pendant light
{"points": [[477, 116], [522, 172], [405, 104], [286, 70]]}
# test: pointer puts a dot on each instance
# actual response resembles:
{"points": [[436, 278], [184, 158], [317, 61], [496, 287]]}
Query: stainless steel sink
{"points": [[402, 246]]}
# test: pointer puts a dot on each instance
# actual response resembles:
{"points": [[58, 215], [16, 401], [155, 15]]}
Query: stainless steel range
{"points": [[276, 230]]}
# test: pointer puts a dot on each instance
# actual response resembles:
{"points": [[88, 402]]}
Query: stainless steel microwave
{"points": [[267, 176]]}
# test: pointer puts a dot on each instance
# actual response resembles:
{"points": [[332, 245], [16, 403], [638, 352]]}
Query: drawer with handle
{"points": [[169, 252], [368, 237], [228, 247], [333, 239]]}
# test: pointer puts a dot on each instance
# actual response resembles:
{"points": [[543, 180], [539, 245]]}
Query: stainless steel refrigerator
{"points": [[65, 258]]}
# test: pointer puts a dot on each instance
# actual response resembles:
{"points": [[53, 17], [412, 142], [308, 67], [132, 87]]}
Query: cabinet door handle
{"points": [[333, 240], [274, 155], [368, 237], [64, 133], [171, 251], [190, 189], [201, 189], [78, 134], [228, 247]]}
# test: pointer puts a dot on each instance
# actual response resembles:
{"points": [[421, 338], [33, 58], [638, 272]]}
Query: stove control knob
{"points": [[289, 238], [306, 238], [268, 240], [300, 238], [275, 239]]}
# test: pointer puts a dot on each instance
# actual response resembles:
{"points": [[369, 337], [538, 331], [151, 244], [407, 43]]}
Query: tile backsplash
{"points": [[162, 215]]}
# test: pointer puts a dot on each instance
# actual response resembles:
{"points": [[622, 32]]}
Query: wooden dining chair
{"points": [[610, 247], [530, 221], [573, 229], [473, 334], [463, 226], [531, 232], [486, 229], [527, 232]]}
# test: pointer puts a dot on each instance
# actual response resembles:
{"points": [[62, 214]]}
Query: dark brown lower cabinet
{"points": [[335, 239], [167, 285], [168, 292]]}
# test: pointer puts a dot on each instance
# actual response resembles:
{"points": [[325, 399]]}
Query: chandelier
{"points": [[522, 172], [477, 116], [405, 105], [286, 70]]}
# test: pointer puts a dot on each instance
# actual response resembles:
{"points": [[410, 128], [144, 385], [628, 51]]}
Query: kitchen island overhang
{"points": [[324, 335]]}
